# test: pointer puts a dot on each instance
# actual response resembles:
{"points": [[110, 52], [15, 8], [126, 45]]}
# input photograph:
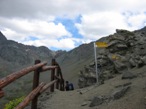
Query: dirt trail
{"points": [[135, 98], [65, 100]]}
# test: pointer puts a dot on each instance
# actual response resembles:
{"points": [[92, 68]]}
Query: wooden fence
{"points": [[56, 78]]}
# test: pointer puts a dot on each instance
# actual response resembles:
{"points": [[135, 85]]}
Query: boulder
{"points": [[119, 93], [143, 59], [86, 78], [97, 101], [120, 66], [136, 61], [132, 63], [123, 85], [128, 75]]}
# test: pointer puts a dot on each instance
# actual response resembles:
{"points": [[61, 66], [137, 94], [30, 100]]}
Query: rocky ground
{"points": [[115, 93]]}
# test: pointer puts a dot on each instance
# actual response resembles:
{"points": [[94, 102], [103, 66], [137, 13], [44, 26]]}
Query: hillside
{"points": [[125, 52], [116, 93], [15, 56]]}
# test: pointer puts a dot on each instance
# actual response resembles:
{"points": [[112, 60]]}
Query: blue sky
{"points": [[70, 26], [66, 24]]}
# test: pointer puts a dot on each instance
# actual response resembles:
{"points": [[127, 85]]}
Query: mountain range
{"points": [[77, 65], [14, 56]]}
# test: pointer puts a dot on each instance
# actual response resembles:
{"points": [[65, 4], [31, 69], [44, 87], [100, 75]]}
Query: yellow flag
{"points": [[101, 44]]}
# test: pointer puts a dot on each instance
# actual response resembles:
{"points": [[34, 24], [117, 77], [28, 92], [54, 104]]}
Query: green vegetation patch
{"points": [[12, 104]]}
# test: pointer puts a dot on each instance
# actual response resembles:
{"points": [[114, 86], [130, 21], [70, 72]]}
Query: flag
{"points": [[101, 44]]}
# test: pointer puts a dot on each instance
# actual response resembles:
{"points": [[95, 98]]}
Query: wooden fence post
{"points": [[62, 81], [57, 74], [1, 93], [52, 75], [62, 85], [35, 84]]}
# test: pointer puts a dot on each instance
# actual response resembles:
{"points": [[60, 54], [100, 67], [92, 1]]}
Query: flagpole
{"points": [[96, 62]]}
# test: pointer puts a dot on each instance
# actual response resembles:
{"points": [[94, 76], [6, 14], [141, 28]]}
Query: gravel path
{"points": [[64, 100]]}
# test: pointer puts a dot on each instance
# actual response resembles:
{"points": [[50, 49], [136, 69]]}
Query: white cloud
{"points": [[42, 9], [67, 43], [37, 28], [13, 35], [64, 43], [96, 25], [137, 20], [23, 18]]}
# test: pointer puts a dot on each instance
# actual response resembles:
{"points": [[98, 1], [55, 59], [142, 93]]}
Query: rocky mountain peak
{"points": [[2, 37]]}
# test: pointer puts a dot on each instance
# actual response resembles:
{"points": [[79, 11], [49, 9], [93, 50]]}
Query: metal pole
{"points": [[96, 62]]}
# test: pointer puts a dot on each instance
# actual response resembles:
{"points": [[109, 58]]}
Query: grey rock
{"points": [[120, 66], [144, 59], [96, 101], [132, 63], [119, 93], [84, 104], [128, 75], [123, 85]]}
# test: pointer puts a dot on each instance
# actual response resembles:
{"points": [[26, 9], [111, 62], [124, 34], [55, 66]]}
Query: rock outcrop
{"points": [[126, 50]]}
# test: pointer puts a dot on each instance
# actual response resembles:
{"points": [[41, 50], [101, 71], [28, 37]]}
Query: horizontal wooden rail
{"points": [[30, 97], [48, 85], [45, 68], [40, 89], [12, 77], [56, 79]]}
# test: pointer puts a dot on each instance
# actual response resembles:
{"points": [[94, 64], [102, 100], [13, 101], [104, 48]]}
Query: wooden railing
{"points": [[56, 78]]}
